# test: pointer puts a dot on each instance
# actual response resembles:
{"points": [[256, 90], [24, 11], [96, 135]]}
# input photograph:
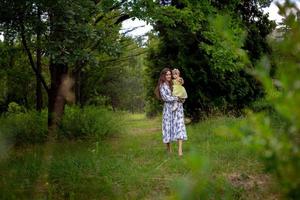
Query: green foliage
{"points": [[207, 42], [275, 135], [153, 106], [200, 183], [134, 165], [225, 50], [17, 79], [21, 168], [78, 36], [75, 173], [116, 81], [90, 123], [24, 128], [13, 107], [69, 34]]}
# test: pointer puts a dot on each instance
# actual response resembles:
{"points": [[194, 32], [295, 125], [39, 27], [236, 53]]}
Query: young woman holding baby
{"points": [[173, 94]]}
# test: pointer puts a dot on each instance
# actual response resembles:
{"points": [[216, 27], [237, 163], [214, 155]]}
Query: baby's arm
{"points": [[165, 95], [181, 81]]}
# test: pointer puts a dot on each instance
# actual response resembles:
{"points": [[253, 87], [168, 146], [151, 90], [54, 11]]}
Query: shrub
{"points": [[31, 127], [13, 107], [89, 122], [275, 136], [24, 128]]}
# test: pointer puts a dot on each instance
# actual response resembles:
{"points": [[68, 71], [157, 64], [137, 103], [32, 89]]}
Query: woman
{"points": [[173, 128]]}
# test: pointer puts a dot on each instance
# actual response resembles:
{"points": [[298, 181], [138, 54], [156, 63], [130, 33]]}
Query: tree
{"points": [[66, 33], [116, 81], [209, 42], [17, 80], [273, 133]]}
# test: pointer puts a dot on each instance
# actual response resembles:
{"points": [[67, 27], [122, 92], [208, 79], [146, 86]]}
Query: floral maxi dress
{"points": [[173, 127]]}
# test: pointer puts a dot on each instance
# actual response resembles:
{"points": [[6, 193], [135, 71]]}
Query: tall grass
{"points": [[90, 122], [24, 128], [78, 123], [135, 165]]}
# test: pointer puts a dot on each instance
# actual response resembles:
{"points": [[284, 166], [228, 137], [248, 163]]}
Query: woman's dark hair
{"points": [[162, 79]]}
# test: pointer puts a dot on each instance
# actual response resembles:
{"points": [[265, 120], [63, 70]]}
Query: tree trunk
{"points": [[39, 97], [56, 96], [113, 103], [77, 87]]}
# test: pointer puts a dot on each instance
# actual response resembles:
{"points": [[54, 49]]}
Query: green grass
{"points": [[131, 165]]}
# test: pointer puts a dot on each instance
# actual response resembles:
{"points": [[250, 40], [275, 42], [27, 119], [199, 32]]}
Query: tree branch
{"points": [[122, 18], [133, 29], [96, 1], [24, 42], [123, 58], [117, 5], [83, 64]]}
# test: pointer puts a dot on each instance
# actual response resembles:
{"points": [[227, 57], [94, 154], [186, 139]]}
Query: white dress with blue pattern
{"points": [[173, 127]]}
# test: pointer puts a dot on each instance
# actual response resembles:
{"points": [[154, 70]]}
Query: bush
{"points": [[89, 122], [31, 127], [13, 107], [275, 135], [24, 128]]}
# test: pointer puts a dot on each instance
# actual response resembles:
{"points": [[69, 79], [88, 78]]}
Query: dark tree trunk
{"points": [[77, 87], [58, 73], [56, 96], [39, 97], [112, 103]]}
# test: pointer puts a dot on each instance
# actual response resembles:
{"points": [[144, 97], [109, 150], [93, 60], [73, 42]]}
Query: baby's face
{"points": [[175, 75]]}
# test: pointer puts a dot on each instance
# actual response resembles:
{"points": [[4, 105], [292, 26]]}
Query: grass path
{"points": [[132, 165], [145, 171]]}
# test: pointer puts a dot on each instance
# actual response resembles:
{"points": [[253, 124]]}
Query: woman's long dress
{"points": [[173, 127]]}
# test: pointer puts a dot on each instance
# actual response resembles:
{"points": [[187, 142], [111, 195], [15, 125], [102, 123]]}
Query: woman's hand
{"points": [[181, 81], [181, 100]]}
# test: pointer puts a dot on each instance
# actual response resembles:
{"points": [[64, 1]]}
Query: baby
{"points": [[178, 89]]}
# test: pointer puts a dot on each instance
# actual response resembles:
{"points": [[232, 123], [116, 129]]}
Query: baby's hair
{"points": [[176, 71]]}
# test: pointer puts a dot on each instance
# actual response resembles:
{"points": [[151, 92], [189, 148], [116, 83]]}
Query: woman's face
{"points": [[168, 76]]}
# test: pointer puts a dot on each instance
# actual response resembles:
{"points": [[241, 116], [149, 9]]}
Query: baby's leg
{"points": [[175, 106]]}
